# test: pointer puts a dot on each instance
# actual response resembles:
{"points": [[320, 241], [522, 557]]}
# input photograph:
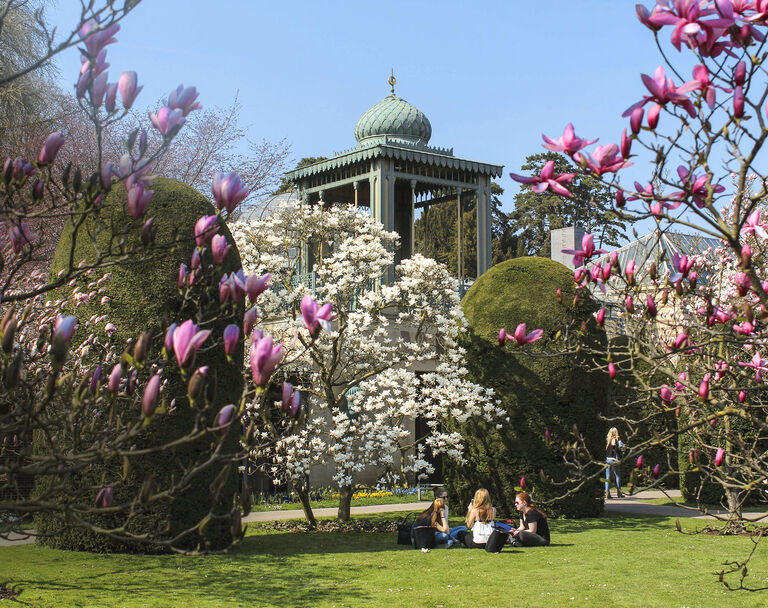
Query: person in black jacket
{"points": [[534, 529]]}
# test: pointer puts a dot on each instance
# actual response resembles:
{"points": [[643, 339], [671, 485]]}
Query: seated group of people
{"points": [[533, 530]]}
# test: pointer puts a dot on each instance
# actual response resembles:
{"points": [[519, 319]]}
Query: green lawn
{"points": [[612, 561]]}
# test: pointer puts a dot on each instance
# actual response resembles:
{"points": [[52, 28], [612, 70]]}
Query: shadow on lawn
{"points": [[240, 578], [614, 522]]}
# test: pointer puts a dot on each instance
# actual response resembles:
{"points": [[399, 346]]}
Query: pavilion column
{"points": [[355, 186], [459, 256], [304, 261], [484, 258], [413, 217]]}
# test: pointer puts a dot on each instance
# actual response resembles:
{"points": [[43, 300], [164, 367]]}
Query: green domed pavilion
{"points": [[393, 171]]}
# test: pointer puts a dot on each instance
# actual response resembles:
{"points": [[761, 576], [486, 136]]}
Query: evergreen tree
{"points": [[537, 214], [437, 232]]}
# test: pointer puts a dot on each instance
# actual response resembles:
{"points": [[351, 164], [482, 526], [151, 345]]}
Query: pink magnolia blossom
{"points": [[740, 74], [228, 191], [20, 236], [568, 142], [521, 337], [225, 417], [265, 356], [758, 364], [291, 400], [656, 471], [129, 89], [104, 498], [256, 285], [51, 148], [666, 394], [167, 121], [611, 370], [698, 187], [662, 91], [187, 339], [639, 462], [138, 198], [151, 393], [96, 38], [546, 180], [704, 387], [650, 305], [689, 18], [205, 227], [752, 225], [719, 457], [604, 159], [636, 120], [601, 317], [316, 316], [502, 336], [587, 250], [738, 102], [114, 378], [219, 248], [626, 144], [249, 320], [231, 339], [701, 82], [183, 99]]}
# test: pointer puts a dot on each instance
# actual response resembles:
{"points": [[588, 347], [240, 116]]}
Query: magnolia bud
{"points": [[142, 347]]}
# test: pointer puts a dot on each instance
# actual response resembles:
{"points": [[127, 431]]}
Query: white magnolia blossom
{"points": [[397, 343]]}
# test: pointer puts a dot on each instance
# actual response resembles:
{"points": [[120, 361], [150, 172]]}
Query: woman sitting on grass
{"points": [[434, 517], [533, 530], [480, 516]]}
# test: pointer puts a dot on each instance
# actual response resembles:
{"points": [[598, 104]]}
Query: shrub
{"points": [[538, 392], [143, 295]]}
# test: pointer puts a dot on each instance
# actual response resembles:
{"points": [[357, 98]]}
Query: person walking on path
{"points": [[612, 465]]}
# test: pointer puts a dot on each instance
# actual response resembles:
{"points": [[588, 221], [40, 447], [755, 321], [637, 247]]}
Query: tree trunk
{"points": [[734, 504], [345, 503], [303, 492]]}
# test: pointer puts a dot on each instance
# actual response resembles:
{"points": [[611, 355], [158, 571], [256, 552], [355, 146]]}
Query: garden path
{"points": [[633, 504]]}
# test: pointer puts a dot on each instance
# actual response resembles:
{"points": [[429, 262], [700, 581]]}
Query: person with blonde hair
{"points": [[534, 529], [612, 465], [479, 520], [434, 517]]}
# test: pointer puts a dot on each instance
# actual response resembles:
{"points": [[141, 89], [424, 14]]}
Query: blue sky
{"points": [[491, 77]]}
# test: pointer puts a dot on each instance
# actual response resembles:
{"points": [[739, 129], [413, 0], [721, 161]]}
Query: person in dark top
{"points": [[534, 529], [612, 446], [434, 517]]}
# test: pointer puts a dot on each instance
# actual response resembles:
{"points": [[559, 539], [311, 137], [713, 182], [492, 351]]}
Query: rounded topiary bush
{"points": [[143, 295], [538, 393]]}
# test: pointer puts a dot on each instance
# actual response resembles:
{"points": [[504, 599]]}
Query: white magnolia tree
{"points": [[389, 353]]}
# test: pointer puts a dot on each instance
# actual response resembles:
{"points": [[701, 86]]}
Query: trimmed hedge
{"points": [[538, 393], [144, 295]]}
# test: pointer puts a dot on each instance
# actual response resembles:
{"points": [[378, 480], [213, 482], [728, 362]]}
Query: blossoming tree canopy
{"points": [[694, 325], [396, 343]]}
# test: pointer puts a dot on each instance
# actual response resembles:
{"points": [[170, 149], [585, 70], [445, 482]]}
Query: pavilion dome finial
{"points": [[394, 116]]}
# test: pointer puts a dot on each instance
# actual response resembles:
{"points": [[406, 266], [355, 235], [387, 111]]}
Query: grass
{"points": [[617, 560]]}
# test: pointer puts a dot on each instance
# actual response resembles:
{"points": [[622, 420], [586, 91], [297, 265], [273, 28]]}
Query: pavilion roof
{"points": [[394, 147]]}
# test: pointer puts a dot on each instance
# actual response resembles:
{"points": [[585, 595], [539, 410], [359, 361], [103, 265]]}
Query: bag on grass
{"points": [[424, 537], [497, 540], [404, 530]]}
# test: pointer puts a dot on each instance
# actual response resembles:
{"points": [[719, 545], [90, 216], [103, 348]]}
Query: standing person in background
{"points": [[534, 529], [612, 466]]}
